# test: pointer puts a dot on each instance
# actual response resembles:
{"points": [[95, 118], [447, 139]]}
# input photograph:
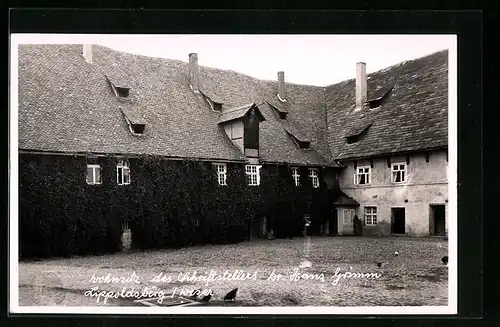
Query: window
{"points": [[125, 225], [221, 170], [122, 173], [93, 174], [304, 144], [122, 92], [253, 174], [347, 216], [296, 176], [370, 216], [279, 113], [362, 176], [307, 220], [352, 139], [217, 106], [138, 128], [313, 175], [398, 172]]}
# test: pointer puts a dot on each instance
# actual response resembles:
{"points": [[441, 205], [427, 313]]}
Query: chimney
{"points": [[281, 86], [193, 71], [361, 89], [87, 53]]}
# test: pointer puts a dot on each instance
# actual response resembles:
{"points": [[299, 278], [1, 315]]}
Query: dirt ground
{"points": [[308, 266]]}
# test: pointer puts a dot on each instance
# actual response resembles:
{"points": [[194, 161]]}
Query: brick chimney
{"points": [[281, 86], [87, 53], [193, 72], [361, 88]]}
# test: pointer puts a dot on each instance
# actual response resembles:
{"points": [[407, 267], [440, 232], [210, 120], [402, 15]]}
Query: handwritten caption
{"points": [[296, 275]]}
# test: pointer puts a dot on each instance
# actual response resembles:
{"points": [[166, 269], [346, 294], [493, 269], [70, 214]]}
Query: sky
{"points": [[306, 59]]}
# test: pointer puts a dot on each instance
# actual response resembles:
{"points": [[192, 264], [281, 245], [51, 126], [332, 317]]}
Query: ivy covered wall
{"points": [[169, 203]]}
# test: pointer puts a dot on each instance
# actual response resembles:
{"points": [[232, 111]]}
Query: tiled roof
{"points": [[214, 97], [359, 128], [67, 105], [344, 200], [235, 113], [133, 116], [413, 116], [298, 133], [281, 107]]}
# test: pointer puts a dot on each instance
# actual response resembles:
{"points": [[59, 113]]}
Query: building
{"points": [[390, 132], [111, 142]]}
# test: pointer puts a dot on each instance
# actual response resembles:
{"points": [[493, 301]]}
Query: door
{"points": [[437, 220], [257, 227], [398, 220], [333, 224]]}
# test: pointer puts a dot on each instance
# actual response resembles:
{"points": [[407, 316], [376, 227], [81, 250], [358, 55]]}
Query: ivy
{"points": [[169, 204]]}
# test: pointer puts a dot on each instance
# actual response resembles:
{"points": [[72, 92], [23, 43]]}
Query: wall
{"points": [[330, 177], [426, 184], [234, 130], [169, 203]]}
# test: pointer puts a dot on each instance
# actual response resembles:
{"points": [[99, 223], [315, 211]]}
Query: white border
{"points": [[451, 308]]}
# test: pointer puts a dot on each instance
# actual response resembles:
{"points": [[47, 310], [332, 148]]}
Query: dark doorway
{"points": [[333, 225], [437, 220], [257, 228], [398, 221]]}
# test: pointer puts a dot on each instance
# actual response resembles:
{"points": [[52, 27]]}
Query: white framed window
{"points": [[398, 172], [362, 175], [307, 220], [122, 173], [296, 175], [347, 216], [94, 174], [253, 174], [314, 176], [125, 225], [221, 170], [370, 216]]}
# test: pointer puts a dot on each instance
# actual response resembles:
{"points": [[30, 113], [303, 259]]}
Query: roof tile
{"points": [[67, 105]]}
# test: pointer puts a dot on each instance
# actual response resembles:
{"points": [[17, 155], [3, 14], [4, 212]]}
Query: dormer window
{"points": [[304, 145], [135, 122], [241, 125], [355, 134], [352, 139], [213, 101], [300, 144], [379, 99], [122, 92], [280, 112], [374, 103], [217, 106], [298, 137], [137, 128]]}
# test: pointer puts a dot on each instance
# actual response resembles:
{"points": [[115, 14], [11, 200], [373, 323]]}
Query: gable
{"points": [[413, 115]]}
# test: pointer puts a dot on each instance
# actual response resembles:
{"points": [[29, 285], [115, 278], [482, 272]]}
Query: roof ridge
{"points": [[241, 107], [204, 67]]}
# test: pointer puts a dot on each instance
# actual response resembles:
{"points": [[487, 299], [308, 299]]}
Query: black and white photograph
{"points": [[233, 174]]}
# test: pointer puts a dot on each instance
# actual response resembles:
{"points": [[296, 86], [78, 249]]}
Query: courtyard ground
{"points": [[415, 277]]}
